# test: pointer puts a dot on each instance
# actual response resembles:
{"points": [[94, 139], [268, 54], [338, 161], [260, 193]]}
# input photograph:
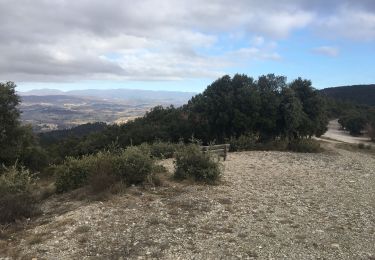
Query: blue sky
{"points": [[183, 45]]}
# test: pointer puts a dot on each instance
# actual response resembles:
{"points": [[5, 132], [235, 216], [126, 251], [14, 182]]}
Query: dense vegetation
{"points": [[266, 113], [268, 108], [50, 137], [17, 142], [359, 94], [192, 164], [16, 197], [353, 117], [131, 166]]}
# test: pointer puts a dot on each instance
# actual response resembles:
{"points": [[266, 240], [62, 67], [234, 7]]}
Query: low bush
{"points": [[243, 143], [134, 166], [354, 123], [304, 146], [102, 176], [160, 150], [273, 145], [191, 163], [251, 143], [16, 197], [74, 173], [131, 166], [164, 150]]}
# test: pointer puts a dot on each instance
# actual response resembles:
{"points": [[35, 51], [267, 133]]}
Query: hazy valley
{"points": [[51, 109]]}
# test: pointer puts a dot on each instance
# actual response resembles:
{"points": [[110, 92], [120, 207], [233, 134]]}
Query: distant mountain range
{"points": [[172, 97], [360, 94]]}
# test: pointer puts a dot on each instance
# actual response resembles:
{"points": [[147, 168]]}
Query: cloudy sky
{"points": [[184, 44]]}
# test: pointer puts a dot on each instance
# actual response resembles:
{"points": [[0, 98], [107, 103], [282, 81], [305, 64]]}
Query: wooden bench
{"points": [[221, 150]]}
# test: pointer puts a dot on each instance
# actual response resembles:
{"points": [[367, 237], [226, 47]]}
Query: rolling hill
{"points": [[51, 109], [360, 94], [171, 97]]}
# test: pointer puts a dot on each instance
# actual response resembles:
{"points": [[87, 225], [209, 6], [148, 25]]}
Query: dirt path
{"points": [[334, 132], [271, 205]]}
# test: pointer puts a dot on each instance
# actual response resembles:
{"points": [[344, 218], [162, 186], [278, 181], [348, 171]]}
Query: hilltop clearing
{"points": [[269, 205]]}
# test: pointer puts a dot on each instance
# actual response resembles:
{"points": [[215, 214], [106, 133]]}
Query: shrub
{"points": [[160, 150], [191, 163], [354, 123], [34, 158], [273, 145], [16, 198], [304, 146], [132, 166], [243, 143], [145, 148], [163, 149], [73, 173], [102, 176], [251, 142]]}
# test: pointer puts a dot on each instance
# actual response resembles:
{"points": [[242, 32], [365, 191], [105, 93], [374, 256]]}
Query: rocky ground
{"points": [[270, 205]]}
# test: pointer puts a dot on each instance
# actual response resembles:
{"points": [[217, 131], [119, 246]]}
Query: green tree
{"points": [[17, 142], [292, 114], [228, 107], [315, 122], [269, 87], [9, 122], [354, 122]]}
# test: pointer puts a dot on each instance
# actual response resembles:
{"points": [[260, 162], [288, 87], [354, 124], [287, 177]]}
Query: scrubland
{"points": [[268, 205]]}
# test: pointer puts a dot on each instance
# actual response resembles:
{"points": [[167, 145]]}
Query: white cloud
{"points": [[160, 39], [327, 51], [352, 23], [257, 40]]}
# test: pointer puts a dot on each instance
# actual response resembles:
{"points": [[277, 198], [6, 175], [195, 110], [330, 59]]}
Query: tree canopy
{"points": [[268, 107], [17, 142]]}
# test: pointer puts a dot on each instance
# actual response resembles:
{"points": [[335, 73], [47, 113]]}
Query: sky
{"points": [[184, 45]]}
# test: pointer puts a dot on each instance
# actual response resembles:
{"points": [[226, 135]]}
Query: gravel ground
{"points": [[270, 205]]}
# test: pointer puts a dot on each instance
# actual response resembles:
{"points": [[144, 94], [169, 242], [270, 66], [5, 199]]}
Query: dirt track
{"points": [[271, 205], [336, 133]]}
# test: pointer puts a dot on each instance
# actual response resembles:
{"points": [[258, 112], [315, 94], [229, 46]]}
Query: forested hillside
{"points": [[267, 113], [360, 94], [354, 106], [265, 110], [75, 132]]}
